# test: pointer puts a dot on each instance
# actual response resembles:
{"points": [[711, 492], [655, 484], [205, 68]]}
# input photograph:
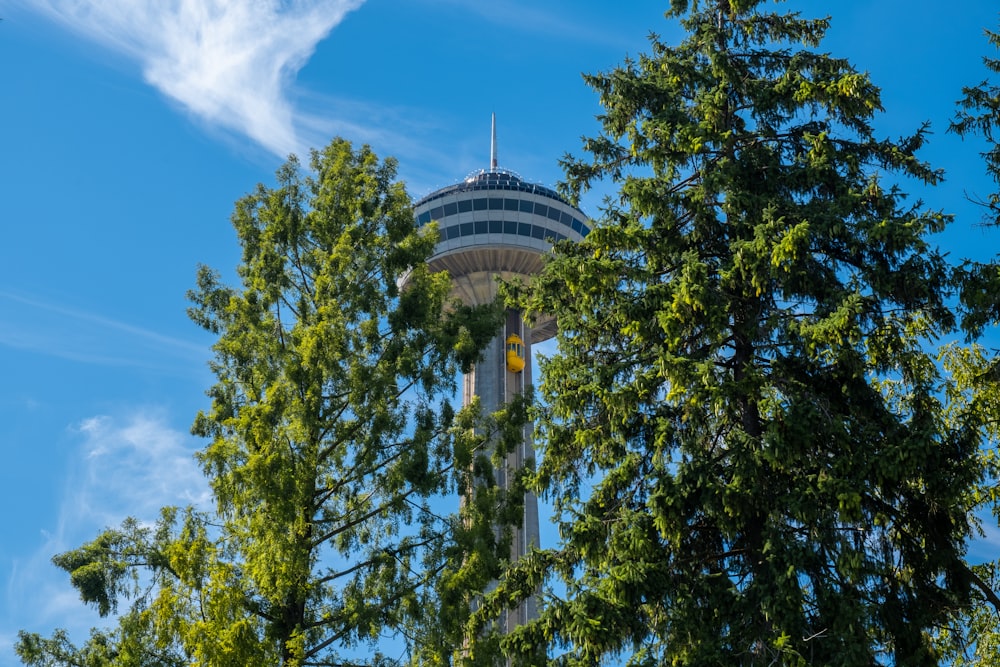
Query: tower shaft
{"points": [[495, 386], [496, 225]]}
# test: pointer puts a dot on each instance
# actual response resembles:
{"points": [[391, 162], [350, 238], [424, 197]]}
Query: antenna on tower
{"points": [[493, 145]]}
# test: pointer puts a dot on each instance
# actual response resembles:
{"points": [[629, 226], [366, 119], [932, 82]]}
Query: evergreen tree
{"points": [[743, 430], [330, 434], [979, 116], [974, 639]]}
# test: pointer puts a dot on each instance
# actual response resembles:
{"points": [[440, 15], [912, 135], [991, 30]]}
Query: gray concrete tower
{"points": [[496, 224]]}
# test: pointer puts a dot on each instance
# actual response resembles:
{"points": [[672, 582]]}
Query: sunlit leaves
{"points": [[329, 433]]}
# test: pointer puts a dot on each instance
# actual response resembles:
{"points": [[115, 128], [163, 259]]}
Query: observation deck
{"points": [[493, 224]]}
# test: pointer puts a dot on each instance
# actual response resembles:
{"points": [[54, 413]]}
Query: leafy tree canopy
{"points": [[330, 434]]}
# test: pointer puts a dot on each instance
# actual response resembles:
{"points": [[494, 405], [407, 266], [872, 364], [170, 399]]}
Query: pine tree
{"points": [[974, 638], [743, 430]]}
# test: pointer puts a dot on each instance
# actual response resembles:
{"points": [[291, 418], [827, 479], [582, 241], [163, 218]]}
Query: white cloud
{"points": [[131, 467], [123, 466], [229, 62]]}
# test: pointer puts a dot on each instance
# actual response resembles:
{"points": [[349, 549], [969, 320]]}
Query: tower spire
{"points": [[493, 144]]}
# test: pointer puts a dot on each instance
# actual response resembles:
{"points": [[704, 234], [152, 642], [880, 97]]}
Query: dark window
{"points": [[466, 229], [550, 235], [566, 219], [479, 204], [553, 214], [523, 229], [584, 230], [526, 206], [453, 232], [541, 209], [537, 232], [577, 226], [496, 204], [450, 209], [481, 226], [465, 206], [509, 227], [510, 204], [424, 218], [496, 226], [437, 213]]}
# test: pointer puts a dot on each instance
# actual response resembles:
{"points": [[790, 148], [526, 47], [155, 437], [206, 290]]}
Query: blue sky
{"points": [[128, 133]]}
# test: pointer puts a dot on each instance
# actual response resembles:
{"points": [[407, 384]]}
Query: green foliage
{"points": [[330, 435], [136, 563], [975, 641], [974, 637], [979, 115], [743, 433]]}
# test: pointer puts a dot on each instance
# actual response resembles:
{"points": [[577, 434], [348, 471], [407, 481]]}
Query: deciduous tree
{"points": [[329, 436]]}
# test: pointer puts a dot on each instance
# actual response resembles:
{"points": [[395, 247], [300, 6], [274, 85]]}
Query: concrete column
{"points": [[495, 385]]}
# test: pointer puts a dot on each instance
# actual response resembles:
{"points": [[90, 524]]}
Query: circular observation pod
{"points": [[496, 224]]}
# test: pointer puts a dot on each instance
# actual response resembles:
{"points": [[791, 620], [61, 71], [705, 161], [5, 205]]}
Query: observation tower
{"points": [[494, 224]]}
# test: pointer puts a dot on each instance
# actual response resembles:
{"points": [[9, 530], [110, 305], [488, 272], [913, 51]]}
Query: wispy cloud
{"points": [[125, 465], [132, 466], [36, 325], [231, 63], [528, 17]]}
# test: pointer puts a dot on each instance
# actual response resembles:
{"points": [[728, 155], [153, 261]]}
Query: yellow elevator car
{"points": [[515, 353]]}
